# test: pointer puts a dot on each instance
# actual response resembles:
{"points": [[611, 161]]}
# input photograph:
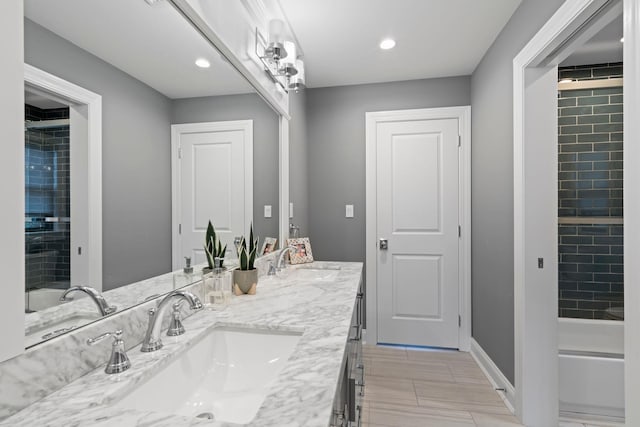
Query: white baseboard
{"points": [[502, 385]]}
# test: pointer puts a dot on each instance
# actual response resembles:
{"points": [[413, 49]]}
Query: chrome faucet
{"points": [[119, 361], [280, 264], [152, 340], [104, 308]]}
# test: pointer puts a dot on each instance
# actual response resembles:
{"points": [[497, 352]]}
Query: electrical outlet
{"points": [[291, 210], [348, 211], [267, 211]]}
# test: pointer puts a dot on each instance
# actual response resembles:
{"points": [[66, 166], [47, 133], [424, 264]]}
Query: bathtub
{"points": [[591, 367], [39, 299]]}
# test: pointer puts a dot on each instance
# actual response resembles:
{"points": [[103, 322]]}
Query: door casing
{"points": [[463, 114], [536, 399], [86, 125]]}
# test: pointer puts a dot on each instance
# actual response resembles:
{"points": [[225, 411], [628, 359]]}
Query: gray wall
{"points": [[136, 178], [265, 145], [336, 150], [298, 161], [492, 177]]}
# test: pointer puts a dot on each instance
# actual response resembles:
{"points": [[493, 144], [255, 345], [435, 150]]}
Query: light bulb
{"points": [[202, 63], [387, 44]]}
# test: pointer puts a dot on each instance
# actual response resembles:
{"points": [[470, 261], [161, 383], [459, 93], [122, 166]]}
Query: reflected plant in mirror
{"points": [[213, 247]]}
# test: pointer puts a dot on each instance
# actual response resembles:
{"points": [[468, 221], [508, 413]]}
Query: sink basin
{"points": [[225, 376], [58, 326], [308, 273]]}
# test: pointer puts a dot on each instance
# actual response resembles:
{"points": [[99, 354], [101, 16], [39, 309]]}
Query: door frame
{"points": [[533, 336], [245, 126], [74, 94], [463, 115]]}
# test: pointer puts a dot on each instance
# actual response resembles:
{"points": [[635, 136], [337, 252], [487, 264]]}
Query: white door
{"points": [[417, 214], [213, 180]]}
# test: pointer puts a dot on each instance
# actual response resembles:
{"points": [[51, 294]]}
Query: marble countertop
{"points": [[303, 393]]}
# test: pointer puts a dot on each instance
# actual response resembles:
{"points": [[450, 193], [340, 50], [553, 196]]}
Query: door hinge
{"points": [[179, 228], [459, 231], [459, 321], [459, 140], [179, 152]]}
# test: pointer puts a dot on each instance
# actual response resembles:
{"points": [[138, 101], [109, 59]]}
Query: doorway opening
{"points": [[566, 199], [63, 188]]}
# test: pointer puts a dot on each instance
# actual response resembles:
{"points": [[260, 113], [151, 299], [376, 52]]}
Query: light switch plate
{"points": [[267, 211], [348, 211], [291, 210]]}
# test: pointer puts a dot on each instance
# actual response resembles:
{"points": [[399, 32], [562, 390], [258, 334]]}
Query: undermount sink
{"points": [[58, 326], [225, 376], [323, 274]]}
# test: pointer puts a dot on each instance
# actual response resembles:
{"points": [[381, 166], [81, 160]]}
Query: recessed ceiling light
{"points": [[202, 63], [622, 40], [387, 44]]}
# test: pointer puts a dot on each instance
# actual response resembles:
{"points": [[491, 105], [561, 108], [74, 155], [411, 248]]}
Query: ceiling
{"points": [[435, 38], [41, 101], [154, 44], [602, 48]]}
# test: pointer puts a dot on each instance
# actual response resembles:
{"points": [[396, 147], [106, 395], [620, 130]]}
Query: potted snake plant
{"points": [[213, 248], [245, 277]]}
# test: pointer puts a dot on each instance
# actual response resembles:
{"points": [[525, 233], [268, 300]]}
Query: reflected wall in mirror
{"points": [[141, 60]]}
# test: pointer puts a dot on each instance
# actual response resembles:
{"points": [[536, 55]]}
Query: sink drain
{"points": [[206, 416]]}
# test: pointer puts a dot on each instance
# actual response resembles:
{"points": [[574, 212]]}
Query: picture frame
{"points": [[301, 250], [269, 245]]}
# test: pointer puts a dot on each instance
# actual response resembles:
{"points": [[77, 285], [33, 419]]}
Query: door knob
{"points": [[384, 244]]}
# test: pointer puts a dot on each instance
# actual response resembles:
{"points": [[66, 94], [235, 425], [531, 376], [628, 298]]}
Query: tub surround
{"points": [[302, 395]]}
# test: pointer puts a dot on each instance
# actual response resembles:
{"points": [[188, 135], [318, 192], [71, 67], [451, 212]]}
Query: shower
{"points": [[47, 205]]}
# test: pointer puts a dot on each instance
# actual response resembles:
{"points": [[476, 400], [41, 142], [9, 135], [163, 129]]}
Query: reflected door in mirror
{"points": [[214, 182]]}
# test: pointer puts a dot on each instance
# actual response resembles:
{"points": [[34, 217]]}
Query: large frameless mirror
{"points": [[185, 139]]}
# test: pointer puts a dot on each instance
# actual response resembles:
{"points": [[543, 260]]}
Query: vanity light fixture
{"points": [[387, 44], [297, 82], [280, 58], [203, 63]]}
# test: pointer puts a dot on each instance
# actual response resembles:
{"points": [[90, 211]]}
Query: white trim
{"points": [[283, 180], [78, 95], [632, 209], [495, 376], [463, 114], [246, 126], [551, 38]]}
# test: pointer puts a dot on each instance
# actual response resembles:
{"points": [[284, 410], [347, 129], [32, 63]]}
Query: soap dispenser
{"points": [[219, 278], [188, 268]]}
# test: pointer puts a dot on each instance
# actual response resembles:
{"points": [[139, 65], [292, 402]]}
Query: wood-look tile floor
{"points": [[420, 388]]}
